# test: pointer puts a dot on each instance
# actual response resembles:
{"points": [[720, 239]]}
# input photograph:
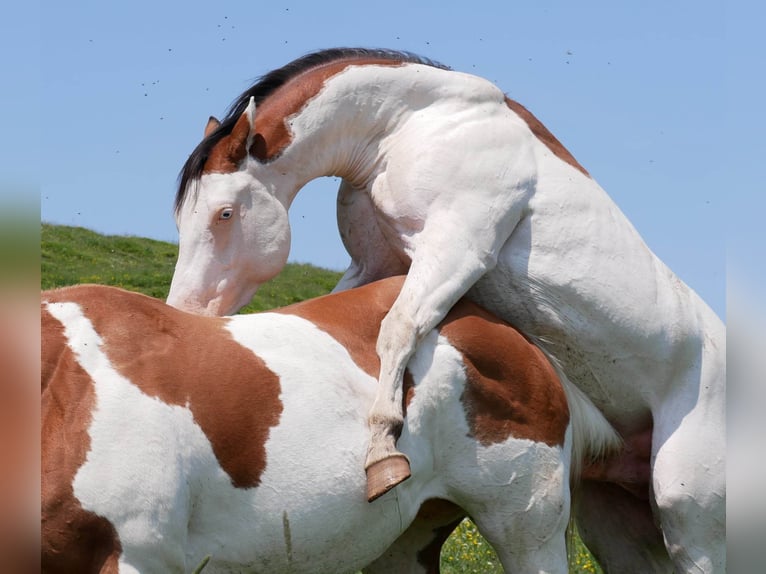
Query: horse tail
{"points": [[593, 437]]}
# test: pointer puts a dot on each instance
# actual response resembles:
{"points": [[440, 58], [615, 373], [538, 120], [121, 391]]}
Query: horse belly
{"points": [[309, 503], [308, 506]]}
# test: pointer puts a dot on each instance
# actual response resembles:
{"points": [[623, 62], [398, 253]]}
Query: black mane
{"points": [[267, 85]]}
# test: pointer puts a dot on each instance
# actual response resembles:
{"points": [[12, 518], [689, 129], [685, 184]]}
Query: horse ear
{"points": [[211, 126], [242, 134], [250, 112]]}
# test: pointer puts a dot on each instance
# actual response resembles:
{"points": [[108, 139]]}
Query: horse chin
{"points": [[213, 308], [222, 303], [191, 306], [221, 306], [191, 303]]}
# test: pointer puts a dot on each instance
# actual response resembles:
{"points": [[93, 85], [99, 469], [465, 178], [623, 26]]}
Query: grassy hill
{"points": [[71, 255]]}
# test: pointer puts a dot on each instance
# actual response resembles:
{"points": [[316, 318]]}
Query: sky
{"points": [[645, 95]]}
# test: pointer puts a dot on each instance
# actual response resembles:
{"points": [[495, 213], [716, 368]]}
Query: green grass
{"points": [[467, 552], [72, 255]]}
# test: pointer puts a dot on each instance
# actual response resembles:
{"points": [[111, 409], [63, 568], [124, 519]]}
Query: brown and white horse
{"points": [[448, 180], [168, 437]]}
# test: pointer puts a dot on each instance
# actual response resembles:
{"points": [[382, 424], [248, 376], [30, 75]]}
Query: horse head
{"points": [[234, 232]]}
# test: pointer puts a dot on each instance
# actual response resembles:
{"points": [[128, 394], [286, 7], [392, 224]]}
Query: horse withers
{"points": [[168, 437]]}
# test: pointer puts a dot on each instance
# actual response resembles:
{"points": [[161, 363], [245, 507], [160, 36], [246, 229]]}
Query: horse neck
{"points": [[341, 131]]}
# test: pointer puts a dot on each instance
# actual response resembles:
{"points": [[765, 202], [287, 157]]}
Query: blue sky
{"points": [[646, 95]]}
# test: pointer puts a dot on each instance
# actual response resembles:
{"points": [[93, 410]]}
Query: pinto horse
{"points": [[448, 180], [168, 437]]}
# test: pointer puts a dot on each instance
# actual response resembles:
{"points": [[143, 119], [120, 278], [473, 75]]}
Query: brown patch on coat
{"points": [[512, 389], [73, 539], [190, 361], [53, 342], [544, 135], [408, 391], [272, 115]]}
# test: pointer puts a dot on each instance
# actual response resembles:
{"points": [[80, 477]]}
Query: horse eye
{"points": [[225, 214]]}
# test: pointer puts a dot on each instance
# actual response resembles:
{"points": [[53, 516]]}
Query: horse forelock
{"points": [[269, 83]]}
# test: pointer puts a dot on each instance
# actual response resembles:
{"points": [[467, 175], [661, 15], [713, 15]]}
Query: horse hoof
{"points": [[385, 474]]}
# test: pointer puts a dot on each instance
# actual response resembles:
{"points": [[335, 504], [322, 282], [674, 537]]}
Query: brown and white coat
{"points": [[168, 437]]}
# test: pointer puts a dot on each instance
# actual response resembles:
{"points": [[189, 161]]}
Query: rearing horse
{"points": [[447, 179]]}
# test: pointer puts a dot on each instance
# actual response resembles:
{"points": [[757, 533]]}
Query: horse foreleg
{"points": [[438, 277]]}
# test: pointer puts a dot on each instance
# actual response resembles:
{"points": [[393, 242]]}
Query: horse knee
{"points": [[398, 335], [388, 419]]}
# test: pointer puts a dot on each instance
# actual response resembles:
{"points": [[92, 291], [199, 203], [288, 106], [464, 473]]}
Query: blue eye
{"points": [[226, 213]]}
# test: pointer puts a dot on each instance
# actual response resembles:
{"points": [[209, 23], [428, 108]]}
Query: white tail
{"points": [[593, 437]]}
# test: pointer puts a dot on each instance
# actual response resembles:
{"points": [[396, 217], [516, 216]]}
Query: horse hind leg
{"points": [[520, 552], [524, 515], [690, 494], [418, 549], [619, 529]]}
